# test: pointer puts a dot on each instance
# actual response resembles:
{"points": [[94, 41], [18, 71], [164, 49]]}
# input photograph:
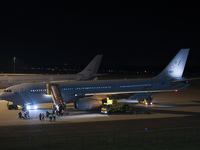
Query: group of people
{"points": [[51, 116], [25, 115], [41, 116]]}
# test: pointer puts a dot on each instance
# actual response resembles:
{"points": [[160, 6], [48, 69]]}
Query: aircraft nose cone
{"points": [[1, 96], [5, 95]]}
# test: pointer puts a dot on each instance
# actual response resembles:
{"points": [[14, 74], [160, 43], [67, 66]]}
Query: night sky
{"points": [[73, 32]]}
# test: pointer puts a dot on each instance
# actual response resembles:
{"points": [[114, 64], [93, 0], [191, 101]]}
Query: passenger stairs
{"points": [[54, 90]]}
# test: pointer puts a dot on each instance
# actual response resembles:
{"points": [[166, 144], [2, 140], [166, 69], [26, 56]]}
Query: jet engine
{"points": [[87, 104]]}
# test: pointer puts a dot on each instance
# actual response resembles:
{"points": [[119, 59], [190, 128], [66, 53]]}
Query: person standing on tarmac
{"points": [[47, 114], [50, 116], [27, 114], [20, 115], [40, 117], [54, 117]]}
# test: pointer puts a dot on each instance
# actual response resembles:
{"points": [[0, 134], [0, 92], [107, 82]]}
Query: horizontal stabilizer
{"points": [[183, 80], [183, 88]]}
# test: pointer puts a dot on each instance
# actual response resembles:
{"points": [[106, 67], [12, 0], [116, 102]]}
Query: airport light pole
{"points": [[14, 64]]}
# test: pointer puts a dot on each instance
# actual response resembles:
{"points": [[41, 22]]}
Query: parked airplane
{"points": [[90, 72], [88, 94]]}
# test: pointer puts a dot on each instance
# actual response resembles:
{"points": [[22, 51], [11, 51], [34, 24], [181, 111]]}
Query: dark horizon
{"points": [[126, 33], [123, 70]]}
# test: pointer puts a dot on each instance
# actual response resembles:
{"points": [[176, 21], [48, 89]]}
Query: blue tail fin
{"points": [[176, 67]]}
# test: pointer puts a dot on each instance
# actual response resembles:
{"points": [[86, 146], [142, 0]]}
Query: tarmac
{"points": [[169, 110]]}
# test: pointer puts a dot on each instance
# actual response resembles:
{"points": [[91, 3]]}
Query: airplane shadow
{"points": [[196, 101], [167, 111], [140, 109], [176, 112]]}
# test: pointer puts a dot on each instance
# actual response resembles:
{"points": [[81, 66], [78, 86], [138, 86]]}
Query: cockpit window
{"points": [[7, 90]]}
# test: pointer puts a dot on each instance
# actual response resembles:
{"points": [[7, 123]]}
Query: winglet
{"points": [[176, 67]]}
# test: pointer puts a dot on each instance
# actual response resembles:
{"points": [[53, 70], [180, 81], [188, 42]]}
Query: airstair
{"points": [[54, 91]]}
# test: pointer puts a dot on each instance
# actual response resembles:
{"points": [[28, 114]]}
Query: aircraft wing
{"points": [[131, 92]]}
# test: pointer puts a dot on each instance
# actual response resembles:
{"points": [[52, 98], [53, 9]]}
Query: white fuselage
{"points": [[166, 81], [72, 90], [10, 80]]}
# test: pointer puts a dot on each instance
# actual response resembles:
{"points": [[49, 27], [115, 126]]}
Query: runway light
{"points": [[176, 90]]}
